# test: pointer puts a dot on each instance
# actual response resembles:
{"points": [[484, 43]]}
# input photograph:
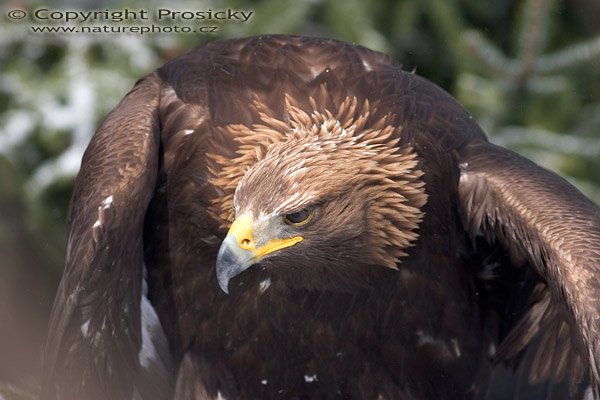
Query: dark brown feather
{"points": [[540, 218], [292, 328], [95, 337]]}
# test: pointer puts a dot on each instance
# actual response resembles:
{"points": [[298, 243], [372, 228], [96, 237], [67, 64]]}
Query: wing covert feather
{"points": [[540, 218], [94, 340]]}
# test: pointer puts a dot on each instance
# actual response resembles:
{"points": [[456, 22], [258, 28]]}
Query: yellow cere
{"points": [[243, 231]]}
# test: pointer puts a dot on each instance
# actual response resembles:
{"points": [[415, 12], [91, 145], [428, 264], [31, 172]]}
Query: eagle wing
{"points": [[95, 327], [93, 350], [543, 221]]}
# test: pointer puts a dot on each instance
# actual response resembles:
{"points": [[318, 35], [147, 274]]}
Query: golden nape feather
{"points": [[317, 156], [282, 217]]}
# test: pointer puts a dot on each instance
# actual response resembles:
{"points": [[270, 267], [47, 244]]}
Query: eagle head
{"points": [[319, 197]]}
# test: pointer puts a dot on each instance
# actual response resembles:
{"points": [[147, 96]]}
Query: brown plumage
{"points": [[373, 243]]}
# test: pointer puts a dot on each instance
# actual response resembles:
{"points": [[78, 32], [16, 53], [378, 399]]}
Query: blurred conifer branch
{"points": [[532, 101], [530, 61], [569, 57]]}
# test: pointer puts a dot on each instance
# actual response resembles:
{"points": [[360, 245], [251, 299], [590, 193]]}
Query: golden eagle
{"points": [[373, 243]]}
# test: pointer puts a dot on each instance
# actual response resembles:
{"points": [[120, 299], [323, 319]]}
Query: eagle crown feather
{"points": [[284, 165]]}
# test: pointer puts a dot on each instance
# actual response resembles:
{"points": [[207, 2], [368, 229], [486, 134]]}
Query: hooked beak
{"points": [[232, 260], [238, 252]]}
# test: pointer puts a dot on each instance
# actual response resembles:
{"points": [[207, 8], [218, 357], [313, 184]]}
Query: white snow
{"points": [[424, 338], [85, 328], [16, 129], [264, 285], [107, 202], [150, 322], [456, 347]]}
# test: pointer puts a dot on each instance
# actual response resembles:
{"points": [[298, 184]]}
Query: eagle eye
{"points": [[299, 218]]}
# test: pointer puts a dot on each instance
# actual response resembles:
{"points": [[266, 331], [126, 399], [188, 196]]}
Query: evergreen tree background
{"points": [[528, 70]]}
